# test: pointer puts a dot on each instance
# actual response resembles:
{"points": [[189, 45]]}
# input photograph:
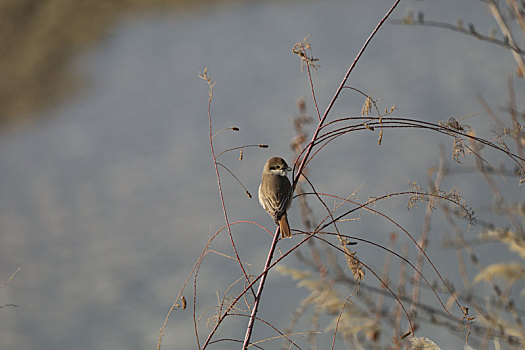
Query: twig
{"points": [[383, 283], [366, 206], [10, 278], [249, 329], [497, 194], [195, 266], [236, 178], [341, 314], [505, 29], [401, 291], [252, 283], [219, 185], [281, 334], [460, 29], [385, 274], [241, 147], [518, 13], [338, 91], [423, 240], [517, 134]]}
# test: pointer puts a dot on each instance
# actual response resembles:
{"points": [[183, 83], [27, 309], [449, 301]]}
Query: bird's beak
{"points": [[289, 169]]}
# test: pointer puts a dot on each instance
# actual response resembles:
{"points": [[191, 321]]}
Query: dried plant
{"points": [[347, 297]]}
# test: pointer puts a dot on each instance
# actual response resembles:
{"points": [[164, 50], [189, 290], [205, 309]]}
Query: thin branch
{"points": [[238, 181], [367, 207], [281, 334], [203, 254], [233, 340], [518, 13], [338, 91], [219, 184], [383, 283], [505, 29], [423, 240], [241, 147], [341, 314], [10, 278], [460, 29], [249, 329], [303, 163]]}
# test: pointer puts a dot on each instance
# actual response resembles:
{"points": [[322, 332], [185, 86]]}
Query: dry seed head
{"points": [[367, 107], [416, 196], [300, 50], [353, 263], [458, 150]]}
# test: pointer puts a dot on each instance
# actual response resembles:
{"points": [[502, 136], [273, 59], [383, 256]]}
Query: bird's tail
{"points": [[285, 227]]}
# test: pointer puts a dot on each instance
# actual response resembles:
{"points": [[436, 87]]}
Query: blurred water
{"points": [[107, 204]]}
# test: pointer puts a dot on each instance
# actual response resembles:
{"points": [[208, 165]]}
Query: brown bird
{"points": [[275, 192]]}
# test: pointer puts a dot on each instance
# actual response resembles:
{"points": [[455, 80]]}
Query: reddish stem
{"points": [[303, 163], [249, 329], [338, 91]]}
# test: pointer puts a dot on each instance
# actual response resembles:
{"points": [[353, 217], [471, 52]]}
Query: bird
{"points": [[275, 192]]}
